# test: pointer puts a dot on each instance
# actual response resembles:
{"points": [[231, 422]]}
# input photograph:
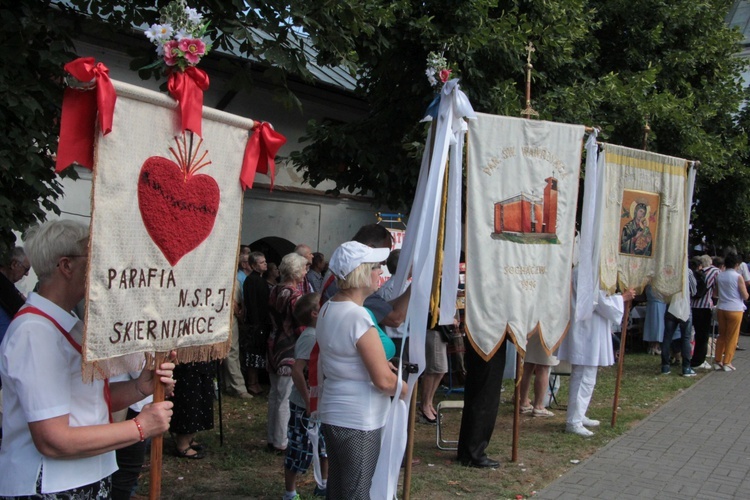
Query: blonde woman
{"points": [[359, 380]]}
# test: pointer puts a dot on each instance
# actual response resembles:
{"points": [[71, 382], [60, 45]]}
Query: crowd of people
{"points": [[718, 296], [326, 341]]}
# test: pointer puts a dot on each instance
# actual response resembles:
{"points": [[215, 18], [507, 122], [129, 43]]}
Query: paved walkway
{"points": [[695, 446]]}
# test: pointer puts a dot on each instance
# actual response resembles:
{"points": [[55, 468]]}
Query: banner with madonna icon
{"points": [[644, 220]]}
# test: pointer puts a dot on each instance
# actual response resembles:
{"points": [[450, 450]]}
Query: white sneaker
{"points": [[578, 429], [705, 366], [589, 422]]}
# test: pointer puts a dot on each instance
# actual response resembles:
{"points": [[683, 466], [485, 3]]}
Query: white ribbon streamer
{"points": [[588, 268], [418, 256]]}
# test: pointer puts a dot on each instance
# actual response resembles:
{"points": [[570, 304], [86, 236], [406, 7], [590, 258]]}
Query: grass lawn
{"points": [[241, 468]]}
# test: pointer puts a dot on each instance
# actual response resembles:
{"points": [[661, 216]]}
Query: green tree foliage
{"points": [[616, 64], [35, 47]]}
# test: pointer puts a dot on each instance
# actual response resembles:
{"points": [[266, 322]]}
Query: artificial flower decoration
{"points": [[179, 36], [438, 71]]}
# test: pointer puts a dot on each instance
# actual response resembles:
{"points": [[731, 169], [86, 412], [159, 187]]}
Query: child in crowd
{"points": [[299, 450]]}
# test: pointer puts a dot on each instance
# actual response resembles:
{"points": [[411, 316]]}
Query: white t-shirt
{"points": [[41, 373], [729, 292], [744, 271], [349, 397], [127, 377]]}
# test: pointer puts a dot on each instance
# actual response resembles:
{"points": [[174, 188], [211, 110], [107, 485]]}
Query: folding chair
{"points": [[443, 406], [561, 370]]}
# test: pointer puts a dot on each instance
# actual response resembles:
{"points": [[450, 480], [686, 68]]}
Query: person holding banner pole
{"points": [[58, 439], [358, 379], [588, 346], [484, 381]]}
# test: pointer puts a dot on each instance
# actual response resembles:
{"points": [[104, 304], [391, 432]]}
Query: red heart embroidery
{"points": [[178, 209]]}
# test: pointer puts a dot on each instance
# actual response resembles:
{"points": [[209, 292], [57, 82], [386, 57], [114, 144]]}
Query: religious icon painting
{"points": [[639, 223], [177, 205], [644, 220]]}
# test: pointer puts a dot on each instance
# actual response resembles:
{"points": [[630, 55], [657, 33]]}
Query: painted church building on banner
{"points": [[528, 215]]}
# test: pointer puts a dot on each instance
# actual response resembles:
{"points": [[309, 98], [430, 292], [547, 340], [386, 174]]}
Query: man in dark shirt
{"points": [[257, 322]]}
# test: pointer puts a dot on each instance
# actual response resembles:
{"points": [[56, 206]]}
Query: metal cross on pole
{"points": [[528, 112]]}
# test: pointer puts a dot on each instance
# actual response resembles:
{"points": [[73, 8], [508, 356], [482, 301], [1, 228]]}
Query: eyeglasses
{"points": [[26, 269]]}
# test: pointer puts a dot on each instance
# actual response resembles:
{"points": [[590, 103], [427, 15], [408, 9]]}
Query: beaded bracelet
{"points": [[140, 429]]}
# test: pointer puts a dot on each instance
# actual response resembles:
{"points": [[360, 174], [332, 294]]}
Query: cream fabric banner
{"points": [[522, 191], [164, 232], [643, 220]]}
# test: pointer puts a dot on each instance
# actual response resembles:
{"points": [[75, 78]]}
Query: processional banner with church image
{"points": [[165, 228], [644, 222], [522, 191]]}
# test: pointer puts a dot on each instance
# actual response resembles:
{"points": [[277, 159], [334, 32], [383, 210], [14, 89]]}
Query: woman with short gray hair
{"points": [[58, 440]]}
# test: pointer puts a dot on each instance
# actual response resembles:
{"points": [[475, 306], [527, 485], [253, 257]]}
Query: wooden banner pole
{"points": [[516, 408], [157, 442], [621, 362], [410, 442]]}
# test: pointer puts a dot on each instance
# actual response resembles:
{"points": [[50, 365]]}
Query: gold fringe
{"points": [[209, 352], [107, 368], [104, 369]]}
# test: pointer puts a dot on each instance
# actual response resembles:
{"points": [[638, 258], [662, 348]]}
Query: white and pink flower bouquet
{"points": [[179, 36], [438, 71]]}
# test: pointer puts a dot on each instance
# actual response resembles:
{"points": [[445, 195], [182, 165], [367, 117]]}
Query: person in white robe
{"points": [[588, 346]]}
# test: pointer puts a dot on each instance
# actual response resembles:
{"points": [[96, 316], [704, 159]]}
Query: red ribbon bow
{"points": [[79, 111], [187, 88], [260, 152]]}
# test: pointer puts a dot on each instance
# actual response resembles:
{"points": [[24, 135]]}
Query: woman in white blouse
{"points": [[58, 439]]}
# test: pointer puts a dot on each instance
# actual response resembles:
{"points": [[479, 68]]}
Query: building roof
{"points": [[739, 17], [334, 76]]}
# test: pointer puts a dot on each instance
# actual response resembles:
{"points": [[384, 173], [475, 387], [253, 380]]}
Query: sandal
{"points": [[526, 409], [196, 446], [185, 453], [544, 412]]}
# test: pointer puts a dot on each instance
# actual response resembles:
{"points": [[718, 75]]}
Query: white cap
{"points": [[351, 254]]}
